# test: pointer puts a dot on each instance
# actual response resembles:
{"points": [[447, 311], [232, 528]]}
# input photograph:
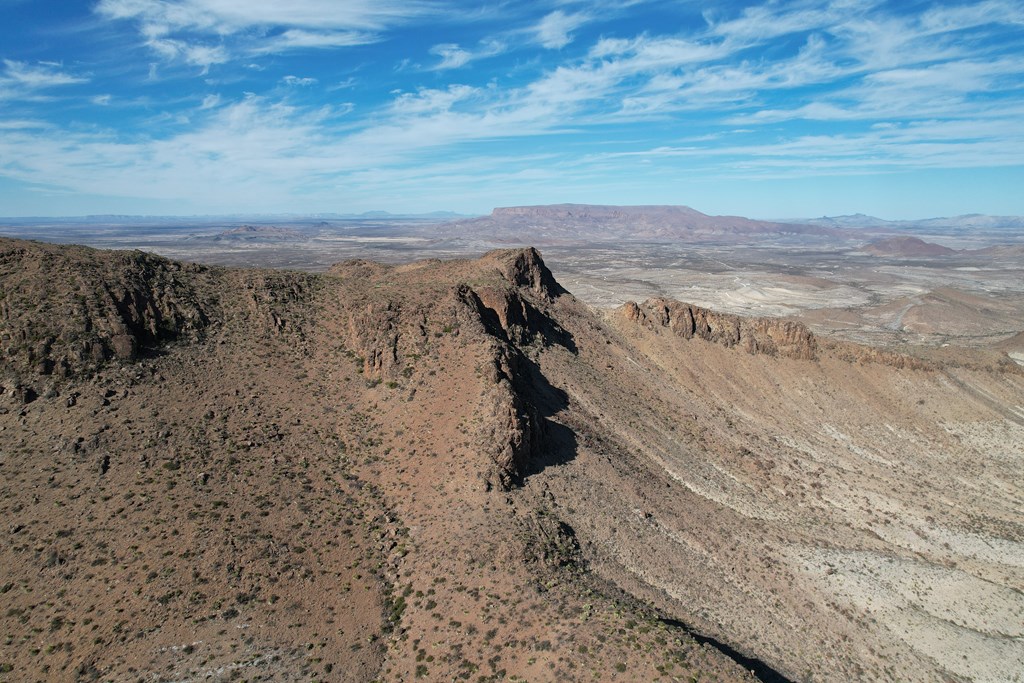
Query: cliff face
{"points": [[499, 314], [756, 335]]}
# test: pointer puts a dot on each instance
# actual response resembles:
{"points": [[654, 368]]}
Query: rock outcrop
{"points": [[756, 335], [67, 310], [525, 268]]}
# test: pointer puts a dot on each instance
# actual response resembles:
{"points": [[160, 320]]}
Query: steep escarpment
{"points": [[501, 306], [755, 335], [790, 339]]}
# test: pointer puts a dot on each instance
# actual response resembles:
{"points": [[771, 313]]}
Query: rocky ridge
{"points": [[755, 335], [479, 477]]}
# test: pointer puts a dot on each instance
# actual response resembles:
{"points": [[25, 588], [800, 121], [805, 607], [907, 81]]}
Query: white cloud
{"points": [[838, 63], [101, 100], [297, 39], [173, 28], [432, 100], [231, 16], [297, 81], [760, 23], [25, 81], [941, 19], [22, 124], [37, 76], [349, 82], [193, 54], [554, 31], [453, 56]]}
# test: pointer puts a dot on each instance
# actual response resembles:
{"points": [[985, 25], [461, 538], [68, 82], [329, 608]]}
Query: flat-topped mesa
{"points": [[768, 336]]}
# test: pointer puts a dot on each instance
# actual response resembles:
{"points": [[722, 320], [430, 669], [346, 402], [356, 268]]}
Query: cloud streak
{"points": [[454, 57], [555, 30], [197, 31], [26, 81]]}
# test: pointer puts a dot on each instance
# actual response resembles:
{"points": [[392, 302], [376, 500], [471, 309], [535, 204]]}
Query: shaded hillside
{"points": [[456, 471]]}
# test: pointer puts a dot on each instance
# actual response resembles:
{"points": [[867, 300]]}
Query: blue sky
{"points": [[767, 109]]}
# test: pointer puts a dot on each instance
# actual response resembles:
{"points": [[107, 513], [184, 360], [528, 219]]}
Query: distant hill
{"points": [[260, 233], [907, 246], [573, 222]]}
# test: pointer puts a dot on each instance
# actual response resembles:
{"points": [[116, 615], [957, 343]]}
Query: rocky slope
{"points": [[456, 471]]}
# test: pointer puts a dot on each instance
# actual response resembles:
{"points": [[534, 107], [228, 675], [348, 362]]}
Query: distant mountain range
{"points": [[557, 223], [966, 221], [118, 219], [655, 220]]}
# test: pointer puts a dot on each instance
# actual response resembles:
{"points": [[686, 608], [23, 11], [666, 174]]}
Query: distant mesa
{"points": [[907, 246], [573, 222]]}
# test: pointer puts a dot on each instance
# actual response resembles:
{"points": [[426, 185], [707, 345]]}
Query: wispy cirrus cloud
{"points": [[199, 31], [299, 39], [555, 30], [232, 16], [25, 80], [203, 56], [857, 57], [453, 56], [38, 76], [882, 89], [298, 81]]}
